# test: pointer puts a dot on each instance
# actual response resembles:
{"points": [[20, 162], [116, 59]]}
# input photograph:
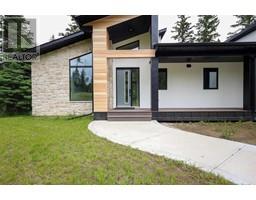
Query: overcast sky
{"points": [[48, 25]]}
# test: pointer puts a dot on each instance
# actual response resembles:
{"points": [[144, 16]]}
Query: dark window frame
{"points": [[166, 77], [84, 67], [122, 46], [206, 76]]}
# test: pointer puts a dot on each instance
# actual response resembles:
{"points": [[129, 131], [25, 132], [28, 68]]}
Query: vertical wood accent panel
{"points": [[101, 53]]}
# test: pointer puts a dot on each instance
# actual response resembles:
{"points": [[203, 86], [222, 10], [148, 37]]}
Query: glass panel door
{"points": [[127, 87]]}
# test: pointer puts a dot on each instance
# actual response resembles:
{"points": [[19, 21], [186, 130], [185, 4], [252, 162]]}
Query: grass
{"points": [[40, 150], [237, 131]]}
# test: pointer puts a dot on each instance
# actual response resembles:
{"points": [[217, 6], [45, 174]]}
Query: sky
{"points": [[47, 25]]}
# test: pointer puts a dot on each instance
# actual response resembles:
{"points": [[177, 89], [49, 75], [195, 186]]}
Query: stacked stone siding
{"points": [[50, 82]]}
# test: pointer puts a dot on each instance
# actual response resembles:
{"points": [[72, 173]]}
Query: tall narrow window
{"points": [[210, 78], [162, 79], [81, 78]]}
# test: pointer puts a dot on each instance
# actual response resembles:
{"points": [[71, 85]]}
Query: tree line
{"points": [[81, 81], [205, 30]]}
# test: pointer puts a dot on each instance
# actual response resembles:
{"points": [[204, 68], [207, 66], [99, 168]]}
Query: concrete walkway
{"points": [[233, 160]]}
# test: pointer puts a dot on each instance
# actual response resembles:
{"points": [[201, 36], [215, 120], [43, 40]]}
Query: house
{"points": [[116, 68]]}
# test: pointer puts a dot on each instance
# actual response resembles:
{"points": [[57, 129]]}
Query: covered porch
{"points": [[187, 97]]}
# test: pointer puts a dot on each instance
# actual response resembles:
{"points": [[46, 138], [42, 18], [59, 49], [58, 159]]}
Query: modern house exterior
{"points": [[117, 68]]}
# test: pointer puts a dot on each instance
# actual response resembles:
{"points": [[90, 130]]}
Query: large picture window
{"points": [[81, 78]]}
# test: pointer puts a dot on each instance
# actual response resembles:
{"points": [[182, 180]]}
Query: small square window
{"points": [[211, 78], [162, 79]]}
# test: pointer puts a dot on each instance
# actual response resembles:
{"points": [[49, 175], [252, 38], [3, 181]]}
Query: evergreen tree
{"points": [[1, 41], [27, 35], [83, 80], [15, 88], [242, 22], [183, 30], [207, 28], [1, 35], [15, 77], [72, 28], [76, 79]]}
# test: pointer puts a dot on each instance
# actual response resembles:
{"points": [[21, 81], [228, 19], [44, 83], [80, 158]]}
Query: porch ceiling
{"points": [[130, 28]]}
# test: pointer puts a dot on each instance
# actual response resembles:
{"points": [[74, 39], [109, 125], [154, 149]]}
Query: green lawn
{"points": [[37, 150]]}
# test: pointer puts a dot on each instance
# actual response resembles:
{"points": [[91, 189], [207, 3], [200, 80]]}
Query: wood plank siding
{"points": [[101, 52]]}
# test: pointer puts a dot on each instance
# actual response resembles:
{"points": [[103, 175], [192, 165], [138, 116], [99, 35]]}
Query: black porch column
{"points": [[154, 65], [154, 84], [250, 84], [254, 87]]}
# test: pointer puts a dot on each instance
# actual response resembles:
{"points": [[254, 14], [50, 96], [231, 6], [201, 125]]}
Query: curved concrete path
{"points": [[233, 160]]}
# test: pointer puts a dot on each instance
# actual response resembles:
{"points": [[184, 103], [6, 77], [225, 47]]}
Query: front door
{"points": [[127, 87]]}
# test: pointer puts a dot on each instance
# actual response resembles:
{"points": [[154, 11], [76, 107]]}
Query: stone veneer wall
{"points": [[50, 82]]}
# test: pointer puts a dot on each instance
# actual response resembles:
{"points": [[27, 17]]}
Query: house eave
{"points": [[205, 49], [62, 42], [242, 33]]}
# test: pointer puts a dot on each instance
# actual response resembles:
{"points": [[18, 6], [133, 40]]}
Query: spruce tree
{"points": [[83, 80], [72, 28], [207, 28], [76, 79], [15, 77], [1, 35], [183, 29], [15, 88], [242, 22], [27, 35]]}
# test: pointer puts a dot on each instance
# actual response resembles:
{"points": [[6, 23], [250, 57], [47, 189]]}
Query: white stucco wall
{"points": [[185, 86], [251, 37], [143, 38], [144, 68]]}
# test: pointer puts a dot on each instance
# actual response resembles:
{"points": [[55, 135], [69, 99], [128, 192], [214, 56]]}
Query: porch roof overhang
{"points": [[204, 52]]}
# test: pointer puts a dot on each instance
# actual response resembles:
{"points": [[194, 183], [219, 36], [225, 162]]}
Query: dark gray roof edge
{"points": [[199, 49], [206, 44], [242, 33], [62, 42]]}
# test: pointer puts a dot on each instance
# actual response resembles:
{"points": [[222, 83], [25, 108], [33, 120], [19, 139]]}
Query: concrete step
{"points": [[129, 116]]}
